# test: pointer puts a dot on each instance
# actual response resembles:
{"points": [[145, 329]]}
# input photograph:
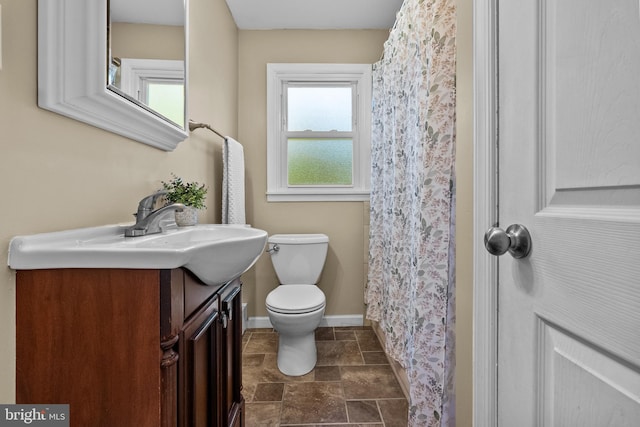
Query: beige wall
{"points": [[343, 276], [58, 173], [146, 41], [464, 217]]}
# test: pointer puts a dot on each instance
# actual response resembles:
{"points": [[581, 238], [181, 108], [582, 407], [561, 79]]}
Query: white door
{"points": [[569, 171]]}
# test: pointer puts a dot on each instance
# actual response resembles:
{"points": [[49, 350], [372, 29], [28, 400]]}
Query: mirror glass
{"points": [[147, 53]]}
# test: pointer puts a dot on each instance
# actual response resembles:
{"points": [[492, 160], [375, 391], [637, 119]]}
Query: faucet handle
{"points": [[145, 206]]}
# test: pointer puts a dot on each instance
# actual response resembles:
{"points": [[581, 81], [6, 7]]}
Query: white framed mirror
{"points": [[73, 62], [146, 40]]}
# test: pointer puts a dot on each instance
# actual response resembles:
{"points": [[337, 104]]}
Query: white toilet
{"points": [[296, 306]]}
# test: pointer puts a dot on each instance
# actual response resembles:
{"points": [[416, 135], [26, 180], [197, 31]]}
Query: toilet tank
{"points": [[299, 258]]}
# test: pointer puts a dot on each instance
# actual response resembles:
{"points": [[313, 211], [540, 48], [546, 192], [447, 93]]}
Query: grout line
{"points": [[380, 414], [281, 408]]}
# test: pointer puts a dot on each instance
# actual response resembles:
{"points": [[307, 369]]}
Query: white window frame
{"points": [[278, 75], [136, 73]]}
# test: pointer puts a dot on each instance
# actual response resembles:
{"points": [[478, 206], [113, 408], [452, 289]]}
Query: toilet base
{"points": [[297, 355]]}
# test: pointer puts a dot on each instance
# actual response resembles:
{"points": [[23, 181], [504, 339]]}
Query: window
{"points": [[166, 96], [156, 83], [318, 132]]}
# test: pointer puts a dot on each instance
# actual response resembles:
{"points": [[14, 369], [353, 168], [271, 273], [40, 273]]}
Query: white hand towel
{"points": [[233, 182]]}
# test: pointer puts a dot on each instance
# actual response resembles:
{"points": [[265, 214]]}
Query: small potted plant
{"points": [[190, 194]]}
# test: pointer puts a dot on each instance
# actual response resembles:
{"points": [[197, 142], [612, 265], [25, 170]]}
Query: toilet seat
{"points": [[295, 299]]}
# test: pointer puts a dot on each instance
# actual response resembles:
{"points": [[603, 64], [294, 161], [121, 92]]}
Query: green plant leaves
{"points": [[188, 193]]}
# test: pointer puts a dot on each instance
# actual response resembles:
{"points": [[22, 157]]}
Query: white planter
{"points": [[188, 217]]}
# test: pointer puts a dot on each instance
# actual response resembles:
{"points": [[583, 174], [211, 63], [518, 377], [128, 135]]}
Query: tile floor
{"points": [[351, 385]]}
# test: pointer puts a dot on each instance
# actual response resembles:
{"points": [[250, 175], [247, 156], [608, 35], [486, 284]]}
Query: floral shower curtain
{"points": [[410, 289]]}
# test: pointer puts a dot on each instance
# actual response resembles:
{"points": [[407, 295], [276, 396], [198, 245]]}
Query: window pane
{"points": [[320, 161], [319, 108], [167, 99]]}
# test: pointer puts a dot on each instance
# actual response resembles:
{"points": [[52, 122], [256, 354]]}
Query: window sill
{"points": [[353, 196]]}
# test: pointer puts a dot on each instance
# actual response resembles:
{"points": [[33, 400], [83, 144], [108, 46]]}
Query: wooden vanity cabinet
{"points": [[199, 369], [130, 347], [232, 400]]}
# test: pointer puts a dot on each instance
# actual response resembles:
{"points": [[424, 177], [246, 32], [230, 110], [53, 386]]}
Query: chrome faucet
{"points": [[146, 205], [149, 221]]}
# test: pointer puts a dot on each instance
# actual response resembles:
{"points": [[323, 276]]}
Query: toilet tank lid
{"points": [[298, 239]]}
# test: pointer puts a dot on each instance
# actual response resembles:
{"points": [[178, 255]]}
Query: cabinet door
{"points": [[231, 308], [200, 369], [89, 338]]}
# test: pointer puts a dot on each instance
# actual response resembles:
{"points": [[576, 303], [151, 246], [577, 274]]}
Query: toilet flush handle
{"points": [[274, 248]]}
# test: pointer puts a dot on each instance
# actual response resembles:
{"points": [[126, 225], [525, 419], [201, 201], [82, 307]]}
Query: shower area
{"points": [[411, 270]]}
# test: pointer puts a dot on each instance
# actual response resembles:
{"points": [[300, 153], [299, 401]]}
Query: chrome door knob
{"points": [[516, 240]]}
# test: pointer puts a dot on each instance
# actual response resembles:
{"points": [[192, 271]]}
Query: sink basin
{"points": [[213, 252]]}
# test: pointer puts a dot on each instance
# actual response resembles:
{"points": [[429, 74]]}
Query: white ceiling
{"points": [[314, 14], [271, 14]]}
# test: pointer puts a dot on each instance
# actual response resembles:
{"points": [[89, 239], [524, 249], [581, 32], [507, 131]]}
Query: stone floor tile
{"points": [[255, 359], [347, 425], [262, 414], [370, 382], [268, 392], [251, 376], [345, 335], [351, 378], [262, 342], [368, 341], [375, 358], [325, 334], [352, 328], [343, 425], [331, 353], [394, 412], [363, 411], [313, 403], [327, 373]]}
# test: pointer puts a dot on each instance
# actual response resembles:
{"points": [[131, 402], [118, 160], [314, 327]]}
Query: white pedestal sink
{"points": [[213, 252]]}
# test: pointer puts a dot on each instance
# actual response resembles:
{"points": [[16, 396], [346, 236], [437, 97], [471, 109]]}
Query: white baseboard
{"points": [[327, 321], [343, 320], [259, 322]]}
